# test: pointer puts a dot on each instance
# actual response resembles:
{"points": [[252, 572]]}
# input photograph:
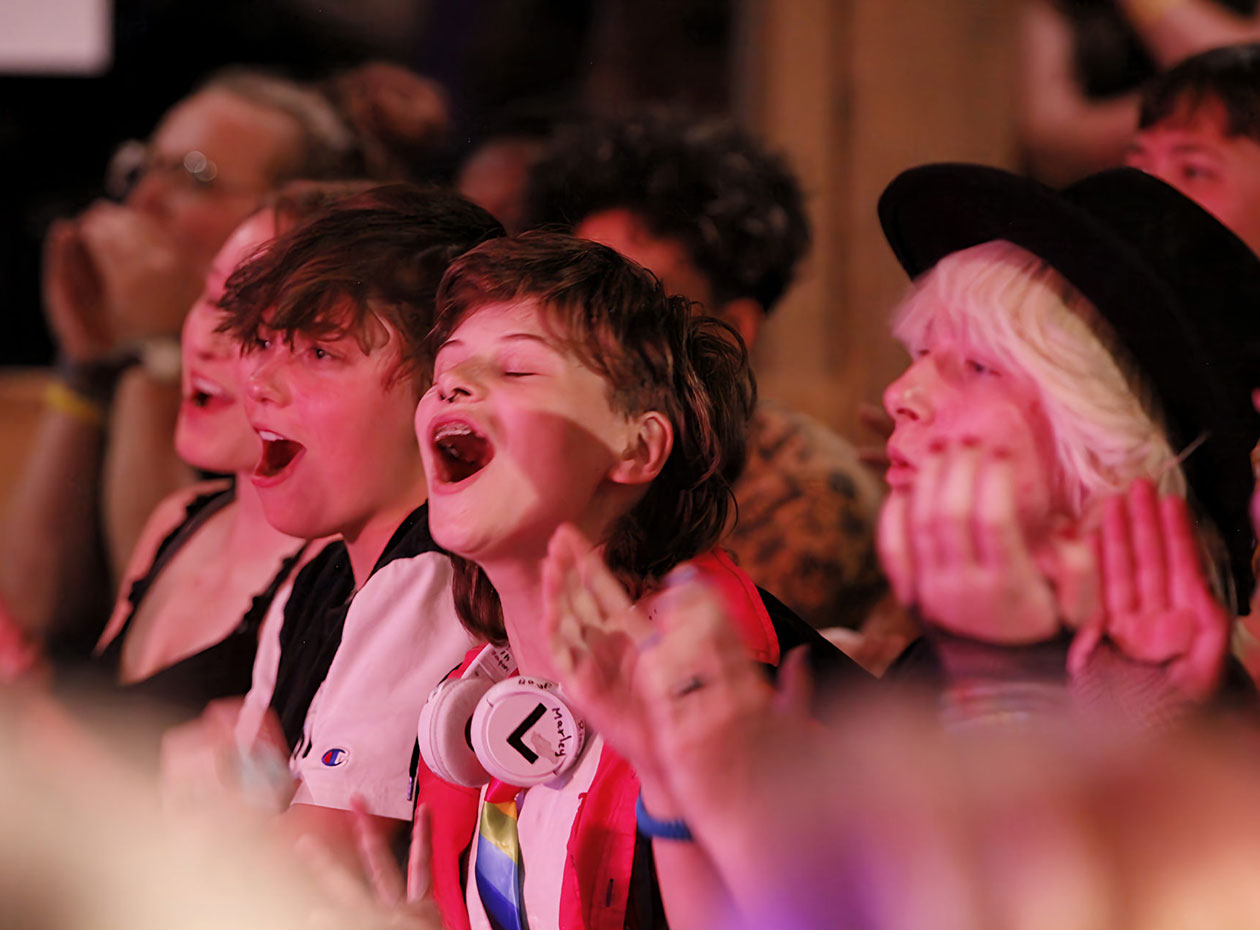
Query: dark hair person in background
{"points": [[720, 220]]}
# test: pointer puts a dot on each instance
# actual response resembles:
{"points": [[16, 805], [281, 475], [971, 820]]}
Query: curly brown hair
{"points": [[736, 207], [655, 354]]}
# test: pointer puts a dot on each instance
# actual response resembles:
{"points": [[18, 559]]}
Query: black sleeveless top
{"points": [[222, 670]]}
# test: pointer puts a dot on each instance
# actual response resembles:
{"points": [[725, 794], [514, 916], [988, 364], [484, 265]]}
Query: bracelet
{"points": [[95, 380], [660, 829], [63, 399]]}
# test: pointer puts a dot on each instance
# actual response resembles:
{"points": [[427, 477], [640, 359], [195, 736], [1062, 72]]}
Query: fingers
{"points": [[609, 596], [73, 294], [1159, 607], [796, 684], [966, 512], [1119, 589], [377, 861], [999, 537], [420, 856], [892, 541], [923, 513], [952, 530], [1148, 547], [700, 652], [1185, 574], [339, 883], [1199, 670]]}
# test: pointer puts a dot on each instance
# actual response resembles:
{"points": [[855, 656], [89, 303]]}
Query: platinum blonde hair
{"points": [[1027, 318]]}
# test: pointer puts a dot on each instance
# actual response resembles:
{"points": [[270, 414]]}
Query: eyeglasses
{"points": [[135, 159]]}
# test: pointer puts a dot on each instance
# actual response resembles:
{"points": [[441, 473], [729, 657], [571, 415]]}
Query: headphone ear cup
{"points": [[524, 734], [443, 731]]}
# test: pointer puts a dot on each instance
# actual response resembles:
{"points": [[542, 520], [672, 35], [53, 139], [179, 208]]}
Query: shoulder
{"points": [[167, 517], [768, 627], [830, 669], [174, 509]]}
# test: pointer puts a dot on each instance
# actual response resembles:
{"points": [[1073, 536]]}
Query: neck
{"points": [[367, 542], [519, 585]]}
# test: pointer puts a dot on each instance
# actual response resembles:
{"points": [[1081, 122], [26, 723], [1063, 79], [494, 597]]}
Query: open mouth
{"points": [[203, 392], [461, 451], [277, 454]]}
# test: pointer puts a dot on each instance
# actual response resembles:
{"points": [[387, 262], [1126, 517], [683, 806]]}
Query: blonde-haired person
{"points": [[1078, 371]]}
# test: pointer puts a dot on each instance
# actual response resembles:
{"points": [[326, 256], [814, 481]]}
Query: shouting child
{"points": [[571, 394], [332, 322]]}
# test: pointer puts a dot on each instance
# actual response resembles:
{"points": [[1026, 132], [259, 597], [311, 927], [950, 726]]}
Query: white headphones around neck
{"points": [[491, 723]]}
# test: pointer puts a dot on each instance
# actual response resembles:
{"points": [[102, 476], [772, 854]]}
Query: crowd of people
{"points": [[460, 577]]}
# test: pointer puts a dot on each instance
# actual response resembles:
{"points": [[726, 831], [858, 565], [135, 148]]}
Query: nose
{"points": [[262, 374], [460, 383], [149, 194], [909, 397]]}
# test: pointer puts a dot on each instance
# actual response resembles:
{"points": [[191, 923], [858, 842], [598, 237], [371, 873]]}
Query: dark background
{"points": [[57, 132]]}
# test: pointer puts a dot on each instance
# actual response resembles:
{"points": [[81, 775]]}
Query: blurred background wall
{"points": [[852, 91]]}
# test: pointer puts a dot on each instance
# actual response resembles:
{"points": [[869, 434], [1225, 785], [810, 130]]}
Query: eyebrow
{"points": [[1195, 148], [513, 337]]}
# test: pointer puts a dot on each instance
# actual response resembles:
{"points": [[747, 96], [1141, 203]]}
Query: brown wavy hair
{"points": [[377, 254], [655, 354]]}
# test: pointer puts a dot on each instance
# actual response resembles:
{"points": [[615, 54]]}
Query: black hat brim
{"points": [[1181, 292]]}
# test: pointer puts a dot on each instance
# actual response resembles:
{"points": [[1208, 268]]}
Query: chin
{"points": [[456, 542], [207, 459], [297, 522]]}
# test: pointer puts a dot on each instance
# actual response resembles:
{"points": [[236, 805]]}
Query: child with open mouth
{"points": [[331, 321], [573, 399]]}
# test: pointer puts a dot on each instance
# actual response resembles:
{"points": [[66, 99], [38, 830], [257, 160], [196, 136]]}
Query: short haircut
{"points": [[376, 255], [1230, 75], [328, 147], [736, 208], [655, 354]]}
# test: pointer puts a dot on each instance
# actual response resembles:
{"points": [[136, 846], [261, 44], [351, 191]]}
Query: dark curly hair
{"points": [[1230, 75], [378, 254], [655, 354], [736, 208]]}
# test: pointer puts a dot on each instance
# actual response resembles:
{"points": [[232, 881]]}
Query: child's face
{"points": [[517, 436], [212, 431], [1192, 152], [954, 393], [338, 450]]}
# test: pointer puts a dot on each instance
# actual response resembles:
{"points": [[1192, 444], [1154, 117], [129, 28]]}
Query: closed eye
{"points": [[980, 368]]}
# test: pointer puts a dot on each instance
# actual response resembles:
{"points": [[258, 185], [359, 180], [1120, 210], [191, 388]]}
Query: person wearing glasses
{"points": [[117, 280]]}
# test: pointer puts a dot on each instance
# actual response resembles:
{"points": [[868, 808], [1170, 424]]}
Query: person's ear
{"points": [[746, 316], [645, 455]]}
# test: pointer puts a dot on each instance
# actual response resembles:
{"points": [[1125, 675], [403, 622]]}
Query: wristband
{"points": [[63, 399], [95, 380], [660, 829]]}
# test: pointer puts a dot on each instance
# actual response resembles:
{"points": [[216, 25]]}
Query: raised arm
{"points": [[1175, 29]]}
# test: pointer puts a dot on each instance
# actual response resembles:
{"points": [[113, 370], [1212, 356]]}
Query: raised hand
{"points": [[953, 546], [73, 299], [1157, 606], [375, 895], [594, 632], [147, 284]]}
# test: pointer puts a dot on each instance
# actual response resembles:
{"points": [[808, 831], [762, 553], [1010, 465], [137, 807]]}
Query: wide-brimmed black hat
{"points": [[1180, 290]]}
